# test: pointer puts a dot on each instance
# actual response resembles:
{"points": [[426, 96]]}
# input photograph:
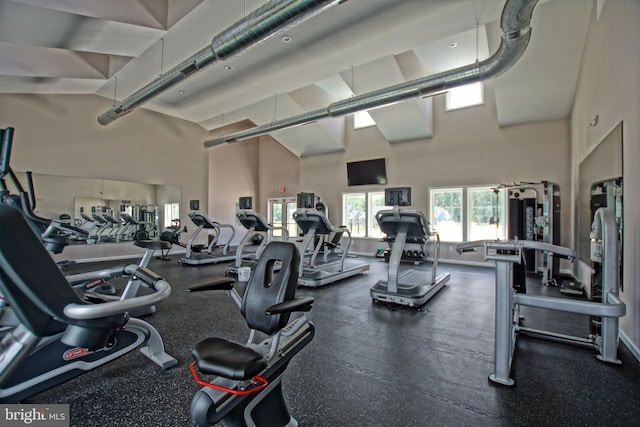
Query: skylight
{"points": [[465, 96], [362, 119]]}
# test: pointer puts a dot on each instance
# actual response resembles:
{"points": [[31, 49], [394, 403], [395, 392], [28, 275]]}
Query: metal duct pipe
{"points": [[516, 32], [260, 25]]}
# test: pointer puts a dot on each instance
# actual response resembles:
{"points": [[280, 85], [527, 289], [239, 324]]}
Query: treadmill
{"points": [[216, 252], [410, 288], [253, 222], [314, 223]]}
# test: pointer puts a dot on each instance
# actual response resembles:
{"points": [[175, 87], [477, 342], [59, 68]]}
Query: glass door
{"points": [[281, 215]]}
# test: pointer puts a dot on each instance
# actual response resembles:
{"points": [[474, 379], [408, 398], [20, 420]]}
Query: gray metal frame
{"points": [[313, 223], [416, 292], [507, 302], [228, 254]]}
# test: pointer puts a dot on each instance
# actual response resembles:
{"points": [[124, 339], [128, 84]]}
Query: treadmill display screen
{"points": [[306, 201], [399, 196], [245, 203]]}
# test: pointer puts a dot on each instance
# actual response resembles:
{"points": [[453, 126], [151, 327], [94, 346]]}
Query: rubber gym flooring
{"points": [[369, 364]]}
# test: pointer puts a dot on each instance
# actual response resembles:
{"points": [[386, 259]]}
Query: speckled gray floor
{"points": [[370, 365]]}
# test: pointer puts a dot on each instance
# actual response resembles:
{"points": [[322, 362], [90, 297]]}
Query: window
{"points": [[171, 213], [468, 213], [485, 213], [359, 213], [446, 213], [362, 119], [376, 203], [465, 96], [354, 213]]}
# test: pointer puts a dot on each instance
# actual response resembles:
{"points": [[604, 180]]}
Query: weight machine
{"points": [[534, 214], [604, 253]]}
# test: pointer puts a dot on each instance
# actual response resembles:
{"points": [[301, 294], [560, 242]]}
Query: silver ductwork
{"points": [[266, 21], [516, 32]]}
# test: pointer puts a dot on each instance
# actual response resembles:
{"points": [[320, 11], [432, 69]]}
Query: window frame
{"points": [[467, 104], [362, 119], [369, 215], [289, 225], [466, 215]]}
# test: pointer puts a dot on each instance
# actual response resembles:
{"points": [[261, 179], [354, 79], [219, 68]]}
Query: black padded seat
{"points": [[217, 356], [265, 289], [153, 244]]}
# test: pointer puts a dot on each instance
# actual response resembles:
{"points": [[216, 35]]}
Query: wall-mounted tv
{"points": [[367, 172], [400, 196]]}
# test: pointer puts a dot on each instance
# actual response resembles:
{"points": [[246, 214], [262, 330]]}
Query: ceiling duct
{"points": [[516, 32], [266, 21]]}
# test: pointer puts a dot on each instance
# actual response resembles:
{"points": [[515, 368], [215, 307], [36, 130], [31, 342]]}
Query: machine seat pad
{"points": [[153, 244], [217, 356]]}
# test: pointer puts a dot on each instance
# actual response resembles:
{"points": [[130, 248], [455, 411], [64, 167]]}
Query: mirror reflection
{"points": [[112, 211], [601, 185]]}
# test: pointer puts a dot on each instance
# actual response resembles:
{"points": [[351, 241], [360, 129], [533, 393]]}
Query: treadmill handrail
{"points": [[324, 221], [423, 232]]}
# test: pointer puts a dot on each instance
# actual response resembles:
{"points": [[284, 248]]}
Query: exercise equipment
{"points": [[247, 389], [254, 223], [98, 281], [606, 193], [604, 249], [314, 223], [216, 251], [173, 232], [60, 334], [402, 226], [53, 234], [135, 229], [534, 214]]}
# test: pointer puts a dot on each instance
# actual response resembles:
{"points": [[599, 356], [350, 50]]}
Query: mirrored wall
{"points": [[600, 184], [87, 202]]}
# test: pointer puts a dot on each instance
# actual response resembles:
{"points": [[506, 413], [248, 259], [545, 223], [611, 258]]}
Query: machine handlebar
{"points": [[161, 287], [515, 246]]}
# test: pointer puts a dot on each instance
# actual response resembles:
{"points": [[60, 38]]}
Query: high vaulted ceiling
{"points": [[112, 48]]}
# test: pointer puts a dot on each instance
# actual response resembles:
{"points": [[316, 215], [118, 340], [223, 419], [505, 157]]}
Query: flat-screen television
{"points": [[367, 172], [399, 196], [306, 201], [194, 205], [245, 203]]}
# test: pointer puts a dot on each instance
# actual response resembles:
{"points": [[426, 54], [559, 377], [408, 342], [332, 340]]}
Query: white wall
{"points": [[59, 135], [468, 148], [609, 87]]}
